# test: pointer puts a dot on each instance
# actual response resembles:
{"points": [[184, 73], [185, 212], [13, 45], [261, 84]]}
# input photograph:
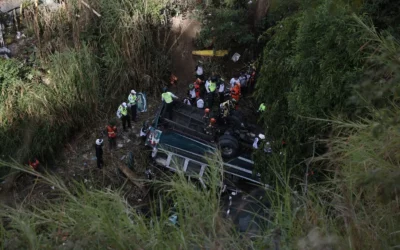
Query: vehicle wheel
{"points": [[229, 137], [229, 146]]}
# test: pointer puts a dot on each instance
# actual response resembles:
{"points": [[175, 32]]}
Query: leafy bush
{"points": [[307, 70]]}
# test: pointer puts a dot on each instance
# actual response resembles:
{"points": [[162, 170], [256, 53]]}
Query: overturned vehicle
{"points": [[186, 139]]}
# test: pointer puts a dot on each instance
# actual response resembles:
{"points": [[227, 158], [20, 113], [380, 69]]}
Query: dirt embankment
{"points": [[185, 30]]}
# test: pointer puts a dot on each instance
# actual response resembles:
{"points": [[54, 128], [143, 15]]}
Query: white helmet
{"points": [[99, 142], [124, 104], [133, 92], [261, 136]]}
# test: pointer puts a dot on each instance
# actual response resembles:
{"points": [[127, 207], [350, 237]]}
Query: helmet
{"points": [[191, 86], [200, 62], [124, 104], [133, 92], [207, 110], [261, 136], [214, 79], [99, 142], [233, 101], [213, 120], [164, 89]]}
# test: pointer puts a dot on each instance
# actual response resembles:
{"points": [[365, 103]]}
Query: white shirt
{"points": [[221, 88], [199, 70], [192, 93], [255, 143], [200, 103], [208, 86], [243, 80], [233, 81]]}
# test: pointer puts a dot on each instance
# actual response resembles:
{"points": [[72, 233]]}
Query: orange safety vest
{"points": [[235, 93], [111, 131], [197, 87]]}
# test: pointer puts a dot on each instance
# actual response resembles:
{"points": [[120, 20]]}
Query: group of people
{"points": [[202, 93], [127, 111]]}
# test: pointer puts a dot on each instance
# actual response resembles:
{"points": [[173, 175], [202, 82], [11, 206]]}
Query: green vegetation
{"points": [[81, 65], [329, 78], [96, 219]]}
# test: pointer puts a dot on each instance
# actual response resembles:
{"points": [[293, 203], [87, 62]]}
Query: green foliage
{"points": [[308, 66], [225, 28], [91, 219]]}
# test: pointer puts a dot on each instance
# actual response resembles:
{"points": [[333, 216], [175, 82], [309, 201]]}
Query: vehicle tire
{"points": [[229, 137], [229, 146]]}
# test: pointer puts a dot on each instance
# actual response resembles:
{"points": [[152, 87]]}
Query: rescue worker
{"points": [[34, 164], [206, 117], [112, 135], [168, 98], [212, 128], [198, 87], [99, 153], [258, 142], [262, 108], [132, 101], [187, 100], [123, 114], [226, 107], [211, 87], [199, 102], [243, 82], [235, 92], [192, 93], [199, 70], [221, 91], [234, 80]]}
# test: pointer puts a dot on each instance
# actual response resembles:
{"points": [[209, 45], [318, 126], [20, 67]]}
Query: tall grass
{"points": [[98, 219]]}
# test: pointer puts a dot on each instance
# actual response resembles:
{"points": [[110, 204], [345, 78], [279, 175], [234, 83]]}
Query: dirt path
{"points": [[185, 30]]}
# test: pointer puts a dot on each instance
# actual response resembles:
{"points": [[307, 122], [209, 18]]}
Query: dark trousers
{"points": [[112, 142], [221, 97], [193, 100], [133, 112], [210, 99], [100, 162], [125, 119], [168, 110]]}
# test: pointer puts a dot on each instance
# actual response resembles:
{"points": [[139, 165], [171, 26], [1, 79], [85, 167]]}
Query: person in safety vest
{"points": [[168, 98], [99, 153], [235, 92], [123, 114], [199, 70], [262, 108], [192, 93], [197, 86], [132, 101], [112, 135], [211, 87], [34, 164]]}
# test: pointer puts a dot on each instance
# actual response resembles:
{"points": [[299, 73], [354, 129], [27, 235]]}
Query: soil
{"points": [[185, 31]]}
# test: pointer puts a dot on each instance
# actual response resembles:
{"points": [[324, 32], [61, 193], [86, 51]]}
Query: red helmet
{"points": [[207, 110], [213, 121]]}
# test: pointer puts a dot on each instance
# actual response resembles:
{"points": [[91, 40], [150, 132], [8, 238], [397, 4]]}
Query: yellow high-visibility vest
{"points": [[167, 96]]}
